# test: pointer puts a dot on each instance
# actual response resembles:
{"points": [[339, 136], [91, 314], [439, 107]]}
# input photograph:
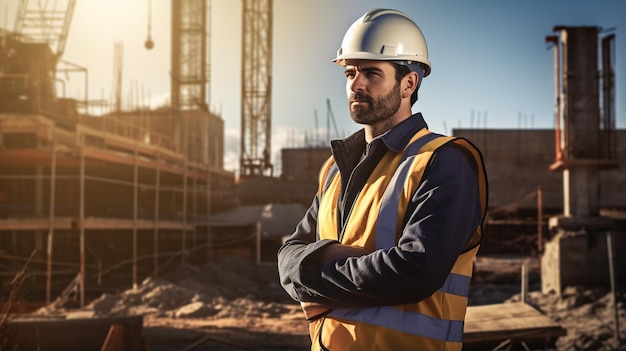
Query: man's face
{"points": [[373, 91]]}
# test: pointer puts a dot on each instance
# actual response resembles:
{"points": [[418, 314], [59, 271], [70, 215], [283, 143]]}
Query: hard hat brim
{"points": [[342, 58]]}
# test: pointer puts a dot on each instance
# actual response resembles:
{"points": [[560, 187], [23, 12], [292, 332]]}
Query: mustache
{"points": [[360, 97]]}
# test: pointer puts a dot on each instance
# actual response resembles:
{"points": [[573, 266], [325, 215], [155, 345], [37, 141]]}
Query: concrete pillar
{"points": [[579, 258], [581, 191], [577, 254]]}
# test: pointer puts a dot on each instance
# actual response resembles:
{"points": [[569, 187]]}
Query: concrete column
{"points": [[581, 191]]}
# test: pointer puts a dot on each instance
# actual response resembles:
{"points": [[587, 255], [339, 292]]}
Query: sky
{"points": [[491, 67]]}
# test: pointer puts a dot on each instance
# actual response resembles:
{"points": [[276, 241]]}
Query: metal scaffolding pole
{"points": [[257, 232], [539, 220], [135, 171], [49, 249], [81, 218], [194, 210], [157, 191], [184, 240], [208, 214]]}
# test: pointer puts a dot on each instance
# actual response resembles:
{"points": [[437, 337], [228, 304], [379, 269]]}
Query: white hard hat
{"points": [[385, 35]]}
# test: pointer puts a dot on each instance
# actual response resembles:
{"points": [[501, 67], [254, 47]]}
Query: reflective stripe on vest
{"points": [[406, 322], [387, 228]]}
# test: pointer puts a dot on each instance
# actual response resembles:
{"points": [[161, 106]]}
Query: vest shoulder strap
{"points": [[327, 173]]}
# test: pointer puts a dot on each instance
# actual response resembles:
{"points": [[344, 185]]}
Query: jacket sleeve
{"points": [[442, 217], [296, 251]]}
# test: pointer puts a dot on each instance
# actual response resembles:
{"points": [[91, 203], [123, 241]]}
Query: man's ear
{"points": [[409, 84]]}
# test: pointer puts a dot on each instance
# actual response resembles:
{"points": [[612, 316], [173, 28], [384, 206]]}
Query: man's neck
{"points": [[374, 130]]}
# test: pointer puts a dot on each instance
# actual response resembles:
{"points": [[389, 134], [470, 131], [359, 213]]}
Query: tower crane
{"points": [[44, 24], [44, 27], [256, 88], [189, 54]]}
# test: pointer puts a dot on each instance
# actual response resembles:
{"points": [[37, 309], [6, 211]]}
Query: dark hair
{"points": [[401, 72]]}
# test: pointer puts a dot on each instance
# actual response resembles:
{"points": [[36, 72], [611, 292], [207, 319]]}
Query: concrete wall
{"points": [[518, 161], [303, 164]]}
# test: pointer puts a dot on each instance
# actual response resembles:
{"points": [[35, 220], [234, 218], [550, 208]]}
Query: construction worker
{"points": [[382, 260]]}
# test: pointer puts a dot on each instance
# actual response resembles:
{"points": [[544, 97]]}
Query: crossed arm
{"points": [[441, 218]]}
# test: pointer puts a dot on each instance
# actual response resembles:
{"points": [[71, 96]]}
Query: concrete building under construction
{"points": [[102, 202]]}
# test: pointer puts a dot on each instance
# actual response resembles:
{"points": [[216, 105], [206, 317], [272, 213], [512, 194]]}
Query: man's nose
{"points": [[357, 83]]}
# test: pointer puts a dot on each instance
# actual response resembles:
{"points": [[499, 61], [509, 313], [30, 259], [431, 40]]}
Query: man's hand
{"points": [[314, 311]]}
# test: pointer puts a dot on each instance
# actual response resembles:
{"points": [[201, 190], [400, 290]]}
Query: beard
{"points": [[376, 110]]}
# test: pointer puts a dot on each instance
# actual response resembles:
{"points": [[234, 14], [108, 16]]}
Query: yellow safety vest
{"points": [[375, 222]]}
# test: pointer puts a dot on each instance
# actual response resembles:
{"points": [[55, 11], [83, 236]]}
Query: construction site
{"points": [[124, 231]]}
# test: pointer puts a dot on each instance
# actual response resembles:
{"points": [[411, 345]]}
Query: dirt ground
{"points": [[285, 332], [239, 305]]}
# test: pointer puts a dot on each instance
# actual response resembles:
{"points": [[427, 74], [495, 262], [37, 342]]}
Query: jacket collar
{"points": [[399, 136], [348, 151]]}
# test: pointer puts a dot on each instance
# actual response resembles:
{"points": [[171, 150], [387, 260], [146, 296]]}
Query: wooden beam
{"points": [[60, 223], [72, 223], [142, 224], [508, 321]]}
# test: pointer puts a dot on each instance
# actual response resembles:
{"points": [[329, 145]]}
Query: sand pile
{"points": [[229, 288], [587, 314]]}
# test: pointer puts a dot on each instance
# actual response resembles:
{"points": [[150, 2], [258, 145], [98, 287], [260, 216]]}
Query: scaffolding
{"points": [[93, 185], [105, 201]]}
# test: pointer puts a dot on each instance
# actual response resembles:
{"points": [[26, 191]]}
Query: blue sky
{"points": [[489, 58]]}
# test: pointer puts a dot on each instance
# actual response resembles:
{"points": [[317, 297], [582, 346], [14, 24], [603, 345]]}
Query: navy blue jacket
{"points": [[442, 217]]}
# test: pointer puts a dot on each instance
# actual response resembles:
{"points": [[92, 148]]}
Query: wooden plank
{"points": [[55, 333], [515, 321], [69, 223], [122, 223], [43, 129], [23, 123], [128, 160], [10, 158], [115, 339], [60, 223]]}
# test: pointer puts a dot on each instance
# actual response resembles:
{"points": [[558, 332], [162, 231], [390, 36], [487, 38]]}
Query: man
{"points": [[383, 258]]}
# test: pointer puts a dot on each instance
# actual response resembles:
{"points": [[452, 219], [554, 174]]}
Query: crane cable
{"points": [[149, 44]]}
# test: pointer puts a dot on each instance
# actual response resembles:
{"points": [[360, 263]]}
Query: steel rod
{"points": [[609, 248], [49, 249], [81, 219]]}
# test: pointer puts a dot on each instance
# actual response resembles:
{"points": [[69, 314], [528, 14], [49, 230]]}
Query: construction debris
{"points": [[238, 294], [586, 314], [229, 288]]}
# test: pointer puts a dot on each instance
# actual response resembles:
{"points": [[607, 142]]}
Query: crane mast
{"points": [[256, 81], [189, 54]]}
